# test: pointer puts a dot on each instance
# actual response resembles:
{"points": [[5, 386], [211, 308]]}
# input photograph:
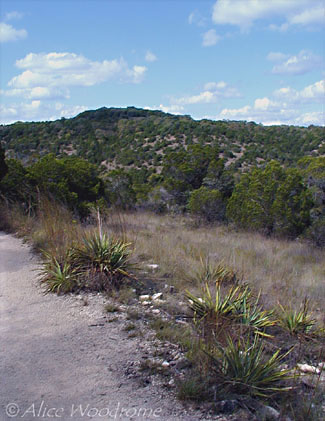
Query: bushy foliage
{"points": [[313, 169], [3, 165], [243, 367], [69, 180], [207, 204], [273, 200]]}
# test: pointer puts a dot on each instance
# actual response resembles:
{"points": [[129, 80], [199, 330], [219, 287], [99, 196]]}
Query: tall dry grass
{"points": [[285, 271]]}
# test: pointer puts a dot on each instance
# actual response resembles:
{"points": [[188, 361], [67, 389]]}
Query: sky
{"points": [[253, 60]]}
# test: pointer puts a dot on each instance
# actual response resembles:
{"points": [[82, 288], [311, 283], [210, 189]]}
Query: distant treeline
{"points": [[135, 138], [272, 199]]}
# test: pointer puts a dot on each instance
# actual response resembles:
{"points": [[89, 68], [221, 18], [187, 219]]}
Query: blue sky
{"points": [[254, 60]]}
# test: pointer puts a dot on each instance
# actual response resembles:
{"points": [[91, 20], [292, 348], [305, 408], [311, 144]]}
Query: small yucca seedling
{"points": [[235, 305], [243, 367], [297, 321], [59, 277], [102, 257]]}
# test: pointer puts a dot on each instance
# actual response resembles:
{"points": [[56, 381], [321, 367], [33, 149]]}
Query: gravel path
{"points": [[59, 359]]}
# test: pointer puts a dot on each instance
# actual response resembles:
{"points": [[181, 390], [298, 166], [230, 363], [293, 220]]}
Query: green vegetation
{"points": [[297, 322], [243, 367], [75, 189]]}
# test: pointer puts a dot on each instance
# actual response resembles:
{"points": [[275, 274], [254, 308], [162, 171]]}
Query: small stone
{"points": [[157, 296], [156, 311], [306, 368], [270, 414], [145, 303], [321, 366], [153, 266], [144, 297], [227, 406], [165, 364], [159, 301]]}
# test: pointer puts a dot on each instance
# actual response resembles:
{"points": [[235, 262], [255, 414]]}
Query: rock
{"points": [[144, 297], [227, 406], [306, 368], [146, 303], [157, 296], [165, 364], [156, 311], [312, 380], [321, 366], [160, 301], [269, 414], [182, 363], [153, 266]]}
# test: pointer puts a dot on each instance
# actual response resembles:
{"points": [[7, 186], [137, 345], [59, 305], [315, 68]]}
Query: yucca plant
{"points": [[243, 367], [58, 275], [252, 314], [219, 273], [297, 321], [104, 260], [235, 305]]}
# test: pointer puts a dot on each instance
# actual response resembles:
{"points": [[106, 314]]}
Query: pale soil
{"points": [[60, 359]]}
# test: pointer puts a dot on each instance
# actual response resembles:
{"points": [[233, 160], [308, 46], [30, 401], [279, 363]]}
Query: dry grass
{"points": [[285, 271]]}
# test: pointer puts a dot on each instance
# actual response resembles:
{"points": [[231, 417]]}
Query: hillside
{"points": [[131, 137]]}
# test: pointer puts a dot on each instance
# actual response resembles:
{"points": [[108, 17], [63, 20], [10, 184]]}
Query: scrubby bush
{"points": [[271, 200], [207, 204]]}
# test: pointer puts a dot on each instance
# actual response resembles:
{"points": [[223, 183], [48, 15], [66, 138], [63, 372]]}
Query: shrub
{"points": [[234, 307], [104, 261], [207, 204], [243, 367], [58, 276], [296, 321]]}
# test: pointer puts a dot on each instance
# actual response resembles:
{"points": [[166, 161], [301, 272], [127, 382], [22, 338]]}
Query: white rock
{"points": [[306, 368], [144, 297], [321, 366], [159, 301], [156, 311], [153, 266], [157, 296], [146, 303], [165, 364]]}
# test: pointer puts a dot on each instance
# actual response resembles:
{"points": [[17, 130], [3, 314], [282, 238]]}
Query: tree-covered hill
{"points": [[137, 138]]}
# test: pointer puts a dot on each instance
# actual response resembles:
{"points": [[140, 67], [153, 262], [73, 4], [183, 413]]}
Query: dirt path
{"points": [[59, 359]]}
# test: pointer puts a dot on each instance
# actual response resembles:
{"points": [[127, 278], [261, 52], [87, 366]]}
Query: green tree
{"points": [[3, 165], [119, 189], [71, 180], [313, 169], [207, 204], [271, 200], [184, 171]]}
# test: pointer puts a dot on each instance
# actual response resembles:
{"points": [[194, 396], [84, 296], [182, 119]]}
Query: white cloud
{"points": [[171, 109], [303, 62], [13, 15], [150, 56], [313, 15], [310, 94], [196, 18], [210, 38], [37, 110], [213, 91], [286, 107], [51, 75], [9, 33], [245, 13]]}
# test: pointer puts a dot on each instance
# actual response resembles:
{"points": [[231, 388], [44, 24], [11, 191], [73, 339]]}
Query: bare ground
{"points": [[60, 359]]}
